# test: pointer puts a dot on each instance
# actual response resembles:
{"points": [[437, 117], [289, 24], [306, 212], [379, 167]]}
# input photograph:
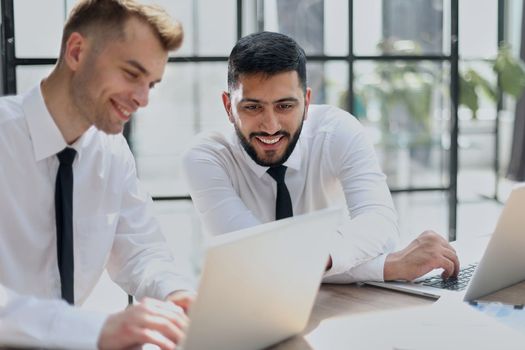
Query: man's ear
{"points": [[307, 97], [75, 50], [226, 101]]}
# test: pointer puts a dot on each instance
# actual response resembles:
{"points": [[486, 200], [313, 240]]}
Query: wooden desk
{"points": [[340, 300]]}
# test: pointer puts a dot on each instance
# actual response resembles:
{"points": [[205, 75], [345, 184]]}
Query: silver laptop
{"points": [[501, 265], [258, 285]]}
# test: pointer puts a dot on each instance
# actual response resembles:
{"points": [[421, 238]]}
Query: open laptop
{"points": [[258, 285], [501, 265]]}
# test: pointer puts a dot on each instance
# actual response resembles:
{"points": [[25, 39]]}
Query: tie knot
{"points": [[277, 173], [66, 156]]}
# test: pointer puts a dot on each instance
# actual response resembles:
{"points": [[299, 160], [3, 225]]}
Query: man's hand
{"points": [[148, 322], [427, 252], [181, 298]]}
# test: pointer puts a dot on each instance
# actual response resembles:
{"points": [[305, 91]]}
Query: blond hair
{"points": [[107, 18]]}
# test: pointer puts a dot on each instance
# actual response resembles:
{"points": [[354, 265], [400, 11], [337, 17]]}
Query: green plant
{"points": [[403, 93], [511, 74]]}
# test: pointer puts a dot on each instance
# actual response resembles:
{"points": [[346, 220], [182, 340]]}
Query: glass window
{"points": [[417, 212], [404, 106], [406, 114], [336, 27], [407, 27], [486, 104], [320, 27], [367, 26], [513, 34], [187, 102], [212, 113], [302, 20], [249, 17], [205, 32], [29, 76], [478, 34], [329, 82], [209, 25], [45, 42], [217, 29]]}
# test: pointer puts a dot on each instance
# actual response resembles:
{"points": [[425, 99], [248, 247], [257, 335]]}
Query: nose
{"points": [[270, 122], [141, 95]]}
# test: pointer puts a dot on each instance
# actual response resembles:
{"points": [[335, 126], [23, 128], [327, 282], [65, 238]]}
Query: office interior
{"points": [[399, 66]]}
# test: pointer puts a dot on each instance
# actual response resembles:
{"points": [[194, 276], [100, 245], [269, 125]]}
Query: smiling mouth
{"points": [[123, 111], [269, 140]]}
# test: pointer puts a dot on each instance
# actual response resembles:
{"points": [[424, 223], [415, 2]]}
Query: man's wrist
{"points": [[392, 268], [180, 293], [182, 298]]}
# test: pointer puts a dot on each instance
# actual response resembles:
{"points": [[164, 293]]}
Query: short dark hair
{"points": [[106, 18], [268, 53]]}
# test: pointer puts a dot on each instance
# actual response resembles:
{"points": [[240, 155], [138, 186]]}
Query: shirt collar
{"points": [[46, 138], [293, 162]]}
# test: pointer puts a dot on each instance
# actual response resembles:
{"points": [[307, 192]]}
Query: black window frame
{"points": [[9, 63]]}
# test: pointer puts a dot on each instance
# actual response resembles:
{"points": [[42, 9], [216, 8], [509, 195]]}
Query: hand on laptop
{"points": [[427, 252], [149, 322]]}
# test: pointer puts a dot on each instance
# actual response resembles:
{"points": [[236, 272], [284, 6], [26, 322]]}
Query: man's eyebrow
{"points": [[138, 66], [141, 68], [287, 99], [284, 99], [250, 100]]}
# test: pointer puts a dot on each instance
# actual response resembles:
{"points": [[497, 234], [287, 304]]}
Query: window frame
{"points": [[9, 63]]}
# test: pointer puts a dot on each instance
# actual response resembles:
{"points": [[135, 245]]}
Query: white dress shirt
{"points": [[332, 163], [112, 222]]}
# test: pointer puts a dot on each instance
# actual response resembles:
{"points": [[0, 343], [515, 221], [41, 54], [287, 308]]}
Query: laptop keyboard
{"points": [[459, 283]]}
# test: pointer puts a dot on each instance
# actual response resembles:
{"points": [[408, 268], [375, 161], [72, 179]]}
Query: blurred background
{"points": [[437, 84]]}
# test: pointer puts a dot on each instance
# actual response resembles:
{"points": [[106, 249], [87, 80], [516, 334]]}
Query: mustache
{"points": [[265, 134]]}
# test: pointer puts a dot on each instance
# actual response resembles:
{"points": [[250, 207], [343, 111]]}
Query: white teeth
{"points": [[269, 141], [124, 111]]}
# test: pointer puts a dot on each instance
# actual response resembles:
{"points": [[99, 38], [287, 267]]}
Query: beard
{"points": [[87, 103], [80, 96], [263, 162]]}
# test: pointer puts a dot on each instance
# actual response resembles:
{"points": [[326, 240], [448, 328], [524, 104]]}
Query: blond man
{"points": [[72, 205]]}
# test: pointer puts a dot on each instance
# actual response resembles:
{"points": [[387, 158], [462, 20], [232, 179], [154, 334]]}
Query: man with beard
{"points": [[71, 202], [286, 157]]}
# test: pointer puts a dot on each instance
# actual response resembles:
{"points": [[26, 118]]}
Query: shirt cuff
{"points": [[343, 257], [75, 328], [166, 287], [371, 270]]}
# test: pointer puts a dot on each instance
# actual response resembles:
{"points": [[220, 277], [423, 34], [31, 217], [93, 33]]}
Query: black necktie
{"points": [[64, 222], [283, 204]]}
